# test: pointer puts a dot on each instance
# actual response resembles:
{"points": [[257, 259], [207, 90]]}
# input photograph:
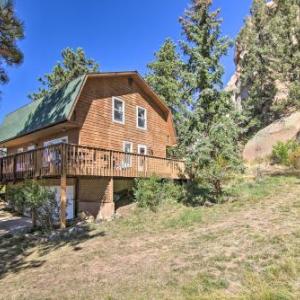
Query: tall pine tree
{"points": [[11, 30], [270, 62], [74, 64], [258, 75], [208, 137], [165, 78]]}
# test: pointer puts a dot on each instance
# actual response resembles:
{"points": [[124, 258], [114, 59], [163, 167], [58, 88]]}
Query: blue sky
{"points": [[119, 35]]}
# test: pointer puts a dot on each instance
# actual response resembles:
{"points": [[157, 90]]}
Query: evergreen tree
{"points": [[74, 64], [257, 74], [208, 138], [270, 62], [165, 78], [285, 19], [11, 30]]}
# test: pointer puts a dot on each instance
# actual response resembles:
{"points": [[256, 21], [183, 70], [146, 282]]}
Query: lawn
{"points": [[248, 248]]}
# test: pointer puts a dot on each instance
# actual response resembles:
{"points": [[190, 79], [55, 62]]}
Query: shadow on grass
{"points": [[14, 250]]}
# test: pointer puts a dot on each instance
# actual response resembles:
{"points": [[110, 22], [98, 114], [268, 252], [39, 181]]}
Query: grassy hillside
{"points": [[244, 249]]}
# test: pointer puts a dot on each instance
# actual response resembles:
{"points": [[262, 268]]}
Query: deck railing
{"points": [[76, 160]]}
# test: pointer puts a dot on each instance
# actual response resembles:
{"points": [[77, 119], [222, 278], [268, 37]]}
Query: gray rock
{"points": [[261, 145]]}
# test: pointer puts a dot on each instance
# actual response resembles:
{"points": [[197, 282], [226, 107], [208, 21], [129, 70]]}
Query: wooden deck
{"points": [[75, 160]]}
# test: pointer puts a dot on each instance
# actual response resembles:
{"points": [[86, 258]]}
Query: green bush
{"points": [[281, 152], [39, 200], [150, 193], [294, 158]]}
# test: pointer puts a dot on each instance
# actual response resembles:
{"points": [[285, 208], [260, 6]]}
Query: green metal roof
{"points": [[42, 113]]}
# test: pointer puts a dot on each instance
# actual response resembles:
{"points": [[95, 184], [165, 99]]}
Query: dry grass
{"points": [[247, 249]]}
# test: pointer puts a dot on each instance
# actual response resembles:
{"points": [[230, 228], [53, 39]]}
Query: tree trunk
{"points": [[33, 218]]}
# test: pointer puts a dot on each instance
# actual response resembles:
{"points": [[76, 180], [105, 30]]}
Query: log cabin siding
{"points": [[94, 112]]}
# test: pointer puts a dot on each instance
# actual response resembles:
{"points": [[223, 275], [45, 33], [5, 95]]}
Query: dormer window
{"points": [[118, 110], [141, 118]]}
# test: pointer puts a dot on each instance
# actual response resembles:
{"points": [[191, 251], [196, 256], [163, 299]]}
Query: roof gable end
{"points": [[42, 113]]}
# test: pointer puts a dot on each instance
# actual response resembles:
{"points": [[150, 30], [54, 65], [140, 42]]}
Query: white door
{"points": [[70, 199], [142, 150]]}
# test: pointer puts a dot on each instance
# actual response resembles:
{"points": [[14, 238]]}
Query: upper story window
{"points": [[141, 117], [118, 110]]}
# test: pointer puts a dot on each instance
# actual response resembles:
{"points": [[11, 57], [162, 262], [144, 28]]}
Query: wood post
{"points": [[14, 168], [38, 162], [76, 206], [63, 200], [63, 189], [33, 218]]}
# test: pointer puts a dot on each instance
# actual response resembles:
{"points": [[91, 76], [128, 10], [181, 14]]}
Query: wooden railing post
{"points": [[63, 160], [14, 168], [111, 164]]}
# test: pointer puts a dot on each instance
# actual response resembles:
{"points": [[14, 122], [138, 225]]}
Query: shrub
{"points": [[281, 152], [294, 158], [39, 200], [152, 192], [197, 194]]}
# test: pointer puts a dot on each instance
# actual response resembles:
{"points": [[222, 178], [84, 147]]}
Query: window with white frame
{"points": [[118, 110], [141, 117], [127, 148], [31, 147], [142, 150]]}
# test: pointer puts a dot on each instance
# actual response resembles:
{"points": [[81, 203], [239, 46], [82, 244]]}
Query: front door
{"points": [[142, 150]]}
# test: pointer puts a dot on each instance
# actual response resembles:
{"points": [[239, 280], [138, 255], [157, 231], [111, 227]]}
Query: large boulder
{"points": [[260, 146]]}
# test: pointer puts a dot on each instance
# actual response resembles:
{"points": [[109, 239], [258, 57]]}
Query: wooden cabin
{"points": [[89, 139]]}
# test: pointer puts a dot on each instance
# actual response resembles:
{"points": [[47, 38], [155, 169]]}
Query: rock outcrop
{"points": [[260, 146]]}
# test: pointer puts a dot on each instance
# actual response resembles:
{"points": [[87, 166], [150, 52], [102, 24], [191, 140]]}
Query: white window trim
{"points": [[56, 141], [142, 146], [142, 167], [137, 118], [124, 163], [131, 146], [20, 150], [31, 147], [113, 110]]}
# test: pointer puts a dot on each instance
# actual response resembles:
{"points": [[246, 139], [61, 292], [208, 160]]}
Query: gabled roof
{"points": [[42, 113], [58, 107]]}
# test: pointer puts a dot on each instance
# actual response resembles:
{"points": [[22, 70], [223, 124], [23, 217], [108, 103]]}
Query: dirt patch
{"points": [[11, 223]]}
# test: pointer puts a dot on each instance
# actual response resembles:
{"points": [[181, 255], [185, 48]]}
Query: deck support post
{"points": [[63, 189], [107, 205], [63, 200]]}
